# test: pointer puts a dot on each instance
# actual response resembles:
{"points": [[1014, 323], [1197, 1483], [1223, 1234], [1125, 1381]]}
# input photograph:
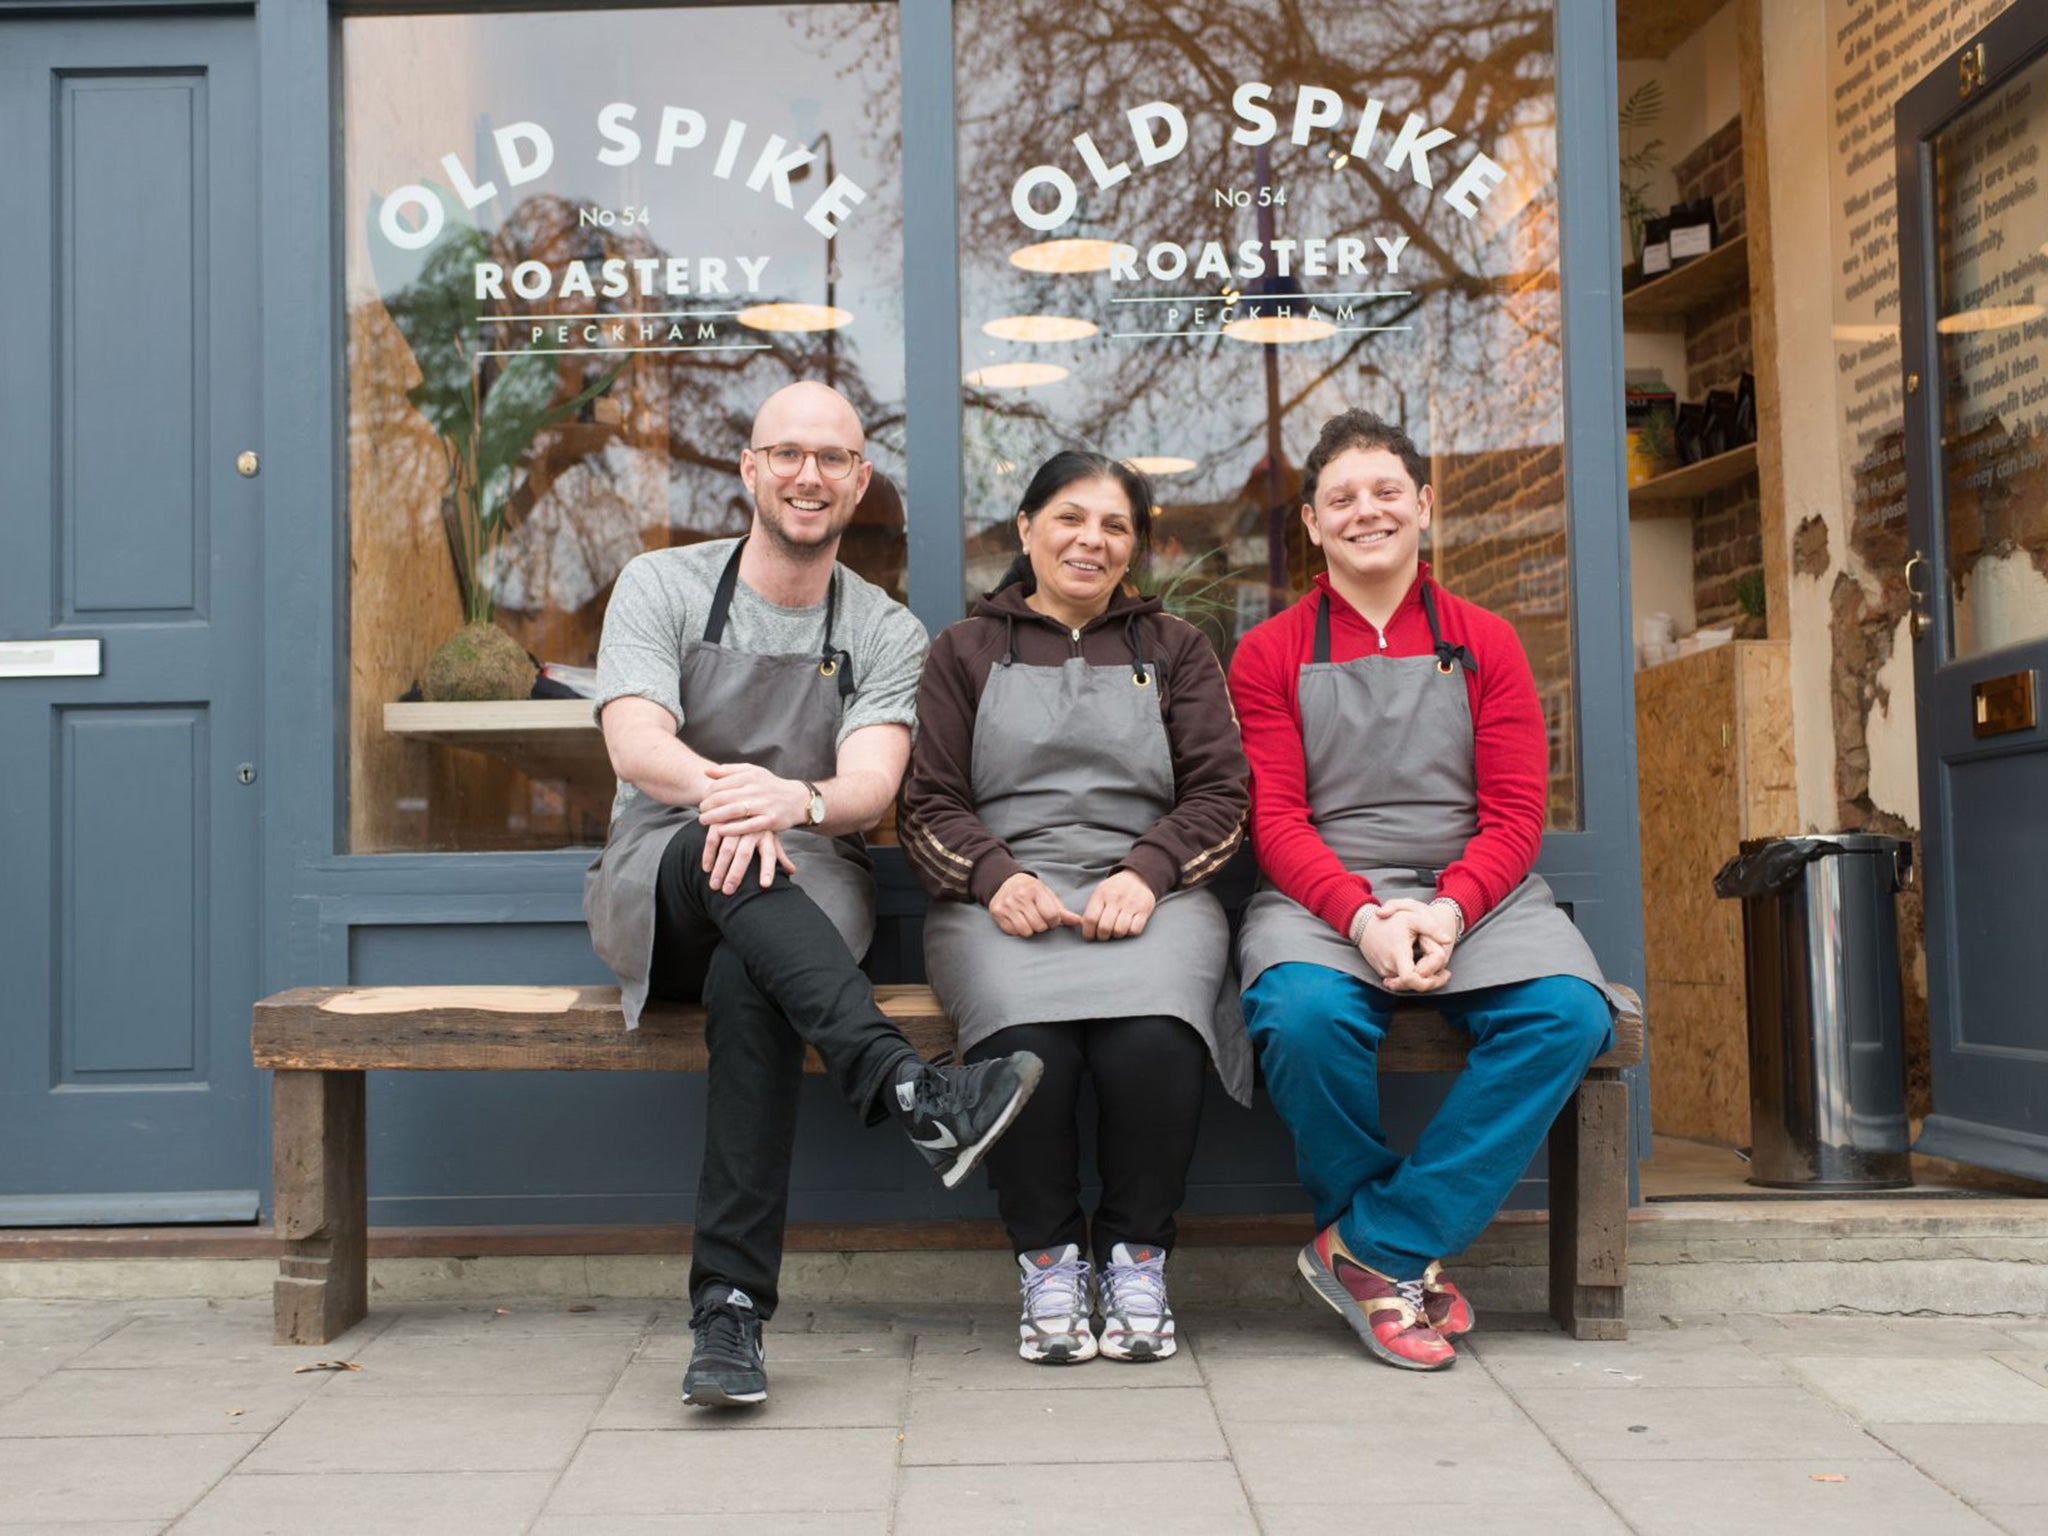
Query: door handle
{"points": [[1917, 619]]}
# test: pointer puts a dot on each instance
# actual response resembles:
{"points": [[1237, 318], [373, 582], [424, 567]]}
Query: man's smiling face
{"points": [[1368, 515]]}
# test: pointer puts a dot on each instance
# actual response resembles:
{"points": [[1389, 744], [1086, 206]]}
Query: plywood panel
{"points": [[1768, 793], [1686, 778], [1699, 1082]]}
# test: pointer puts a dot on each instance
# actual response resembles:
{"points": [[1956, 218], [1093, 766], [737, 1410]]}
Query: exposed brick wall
{"points": [[1727, 532]]}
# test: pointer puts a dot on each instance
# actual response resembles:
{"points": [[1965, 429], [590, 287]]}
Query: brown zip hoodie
{"points": [[959, 859]]}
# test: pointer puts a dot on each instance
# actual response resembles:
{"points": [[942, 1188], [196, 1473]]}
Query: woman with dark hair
{"points": [[1077, 778]]}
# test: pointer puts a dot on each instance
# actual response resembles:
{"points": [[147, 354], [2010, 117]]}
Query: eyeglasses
{"points": [[786, 460]]}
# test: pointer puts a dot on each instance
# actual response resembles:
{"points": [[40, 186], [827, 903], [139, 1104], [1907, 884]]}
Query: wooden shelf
{"points": [[1665, 301], [542, 738], [1666, 495]]}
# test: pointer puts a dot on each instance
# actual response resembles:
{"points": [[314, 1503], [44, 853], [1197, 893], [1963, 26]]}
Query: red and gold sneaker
{"points": [[1449, 1313], [1388, 1315]]}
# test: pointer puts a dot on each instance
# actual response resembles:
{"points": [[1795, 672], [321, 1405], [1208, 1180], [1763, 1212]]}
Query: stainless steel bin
{"points": [[1827, 1075]]}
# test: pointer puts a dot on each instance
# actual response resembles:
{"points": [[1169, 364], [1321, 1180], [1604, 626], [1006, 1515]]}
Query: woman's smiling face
{"points": [[1080, 544]]}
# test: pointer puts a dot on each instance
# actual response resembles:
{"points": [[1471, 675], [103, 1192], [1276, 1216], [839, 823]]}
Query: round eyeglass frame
{"points": [[767, 453]]}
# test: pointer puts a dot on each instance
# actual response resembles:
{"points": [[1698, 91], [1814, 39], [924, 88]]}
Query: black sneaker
{"points": [[954, 1114], [727, 1366]]}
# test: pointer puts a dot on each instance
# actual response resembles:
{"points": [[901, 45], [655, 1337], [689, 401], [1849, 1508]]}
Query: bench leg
{"points": [[321, 1167], [1589, 1152]]}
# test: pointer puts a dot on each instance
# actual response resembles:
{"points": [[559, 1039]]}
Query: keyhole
{"points": [[246, 773]]}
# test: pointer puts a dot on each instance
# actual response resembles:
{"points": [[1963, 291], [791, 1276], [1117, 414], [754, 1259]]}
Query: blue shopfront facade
{"points": [[229, 494]]}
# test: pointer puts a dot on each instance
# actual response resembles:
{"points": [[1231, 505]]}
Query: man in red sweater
{"points": [[1399, 777]]}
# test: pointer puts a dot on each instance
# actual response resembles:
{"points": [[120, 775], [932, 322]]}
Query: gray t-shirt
{"points": [[663, 599]]}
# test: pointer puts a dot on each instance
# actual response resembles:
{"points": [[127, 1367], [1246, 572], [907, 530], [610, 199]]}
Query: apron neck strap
{"points": [[1136, 637], [831, 663], [1449, 657]]}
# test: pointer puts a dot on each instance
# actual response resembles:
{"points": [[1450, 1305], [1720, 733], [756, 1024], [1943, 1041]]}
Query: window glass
{"points": [[581, 248], [1188, 240], [1991, 237]]}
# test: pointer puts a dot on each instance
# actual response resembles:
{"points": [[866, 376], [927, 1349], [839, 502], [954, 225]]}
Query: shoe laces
{"points": [[935, 1093], [1061, 1288], [719, 1329], [1137, 1289], [1412, 1293]]}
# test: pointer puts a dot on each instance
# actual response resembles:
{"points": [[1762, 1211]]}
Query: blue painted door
{"points": [[129, 824], [1973, 232]]}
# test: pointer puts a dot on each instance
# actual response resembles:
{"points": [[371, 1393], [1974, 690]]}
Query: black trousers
{"points": [[1148, 1074], [774, 976]]}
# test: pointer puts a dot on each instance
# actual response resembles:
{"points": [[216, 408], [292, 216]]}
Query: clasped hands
{"points": [[1025, 905], [1408, 943], [743, 815]]}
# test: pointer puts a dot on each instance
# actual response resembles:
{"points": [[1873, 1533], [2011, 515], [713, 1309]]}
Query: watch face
{"points": [[817, 808]]}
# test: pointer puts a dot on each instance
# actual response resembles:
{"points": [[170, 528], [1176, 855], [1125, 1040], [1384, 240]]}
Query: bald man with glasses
{"points": [[757, 700]]}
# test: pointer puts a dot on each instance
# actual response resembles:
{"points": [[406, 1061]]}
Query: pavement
{"points": [[559, 1417]]}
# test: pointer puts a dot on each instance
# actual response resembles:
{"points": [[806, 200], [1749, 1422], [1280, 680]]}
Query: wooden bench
{"points": [[319, 1041]]}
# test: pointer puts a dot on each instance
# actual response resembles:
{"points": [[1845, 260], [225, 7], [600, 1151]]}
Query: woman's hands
{"points": [[1025, 905], [1118, 908]]}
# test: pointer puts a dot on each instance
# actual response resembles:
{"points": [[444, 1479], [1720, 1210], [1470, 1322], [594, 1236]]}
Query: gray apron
{"points": [[1071, 767], [1387, 742], [780, 712]]}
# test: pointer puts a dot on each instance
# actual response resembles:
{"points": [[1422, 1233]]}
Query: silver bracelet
{"points": [[1358, 920], [1457, 912]]}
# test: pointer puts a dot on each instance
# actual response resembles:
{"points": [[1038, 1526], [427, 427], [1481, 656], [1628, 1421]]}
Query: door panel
{"points": [[128, 842], [1972, 227]]}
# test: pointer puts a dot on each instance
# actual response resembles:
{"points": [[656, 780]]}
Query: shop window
{"points": [[1188, 240], [581, 247]]}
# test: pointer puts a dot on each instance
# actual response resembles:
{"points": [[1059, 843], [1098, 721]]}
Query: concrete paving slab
{"points": [[2031, 1364], [1983, 1463], [1706, 1498], [655, 1472], [2018, 1519], [1921, 1391], [1700, 1356], [139, 1477], [1350, 1466], [1187, 1498], [214, 1335], [1700, 1424], [806, 1394], [202, 1399], [490, 1365], [991, 1363], [23, 1365], [1358, 1391], [24, 1322], [362, 1433], [672, 1345], [1304, 1332], [1888, 1337], [368, 1504], [70, 1528], [516, 1316], [1581, 1513], [866, 1522], [1061, 1429]]}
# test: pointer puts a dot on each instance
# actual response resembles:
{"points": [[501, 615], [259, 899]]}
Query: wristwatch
{"points": [[814, 808]]}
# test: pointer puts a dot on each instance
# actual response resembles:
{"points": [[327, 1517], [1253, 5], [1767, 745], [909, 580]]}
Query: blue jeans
{"points": [[1318, 1031]]}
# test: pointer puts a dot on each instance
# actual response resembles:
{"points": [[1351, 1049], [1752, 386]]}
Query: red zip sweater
{"points": [[1511, 751]]}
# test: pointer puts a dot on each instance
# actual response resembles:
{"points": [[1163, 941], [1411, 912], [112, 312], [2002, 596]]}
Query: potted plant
{"points": [[488, 405]]}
